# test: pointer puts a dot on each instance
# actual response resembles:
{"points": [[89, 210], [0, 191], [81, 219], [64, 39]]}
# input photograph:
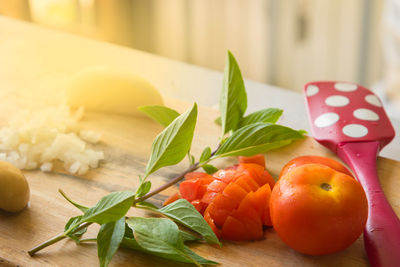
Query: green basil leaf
{"points": [[205, 155], [270, 115], [172, 144], [160, 114], [109, 208], [76, 236], [210, 169], [184, 212], [143, 189], [131, 243], [257, 138], [233, 100], [192, 160], [188, 237], [128, 231], [158, 236], [80, 207], [146, 205], [198, 258], [108, 240]]}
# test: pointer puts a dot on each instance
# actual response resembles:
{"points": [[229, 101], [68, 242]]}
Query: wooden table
{"points": [[42, 70]]}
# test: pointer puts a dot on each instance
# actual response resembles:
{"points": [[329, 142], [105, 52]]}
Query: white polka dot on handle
{"points": [[312, 90], [355, 130], [337, 101], [346, 87], [365, 114], [373, 100], [326, 119]]}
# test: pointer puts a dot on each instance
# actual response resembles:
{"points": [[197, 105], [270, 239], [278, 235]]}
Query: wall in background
{"points": [[282, 42]]}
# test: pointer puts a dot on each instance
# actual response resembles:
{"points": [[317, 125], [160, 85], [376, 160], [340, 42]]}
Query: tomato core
{"points": [[326, 186]]}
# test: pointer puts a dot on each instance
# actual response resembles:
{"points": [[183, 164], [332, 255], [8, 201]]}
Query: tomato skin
{"points": [[256, 159], [317, 210], [302, 160]]}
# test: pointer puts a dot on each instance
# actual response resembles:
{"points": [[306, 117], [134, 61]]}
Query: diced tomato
{"points": [[256, 159], [250, 181], [216, 186], [226, 175], [204, 182], [242, 183], [194, 188], [223, 202], [262, 197], [252, 222], [254, 171], [268, 178], [193, 175], [171, 199], [239, 227], [234, 192], [200, 206], [208, 197], [233, 229], [219, 215], [189, 188], [234, 201], [211, 223], [249, 202], [220, 208]]}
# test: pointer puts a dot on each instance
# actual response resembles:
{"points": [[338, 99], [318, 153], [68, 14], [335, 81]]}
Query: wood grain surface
{"points": [[126, 142]]}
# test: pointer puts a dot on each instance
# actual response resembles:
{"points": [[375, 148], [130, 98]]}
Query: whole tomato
{"points": [[299, 161], [317, 210]]}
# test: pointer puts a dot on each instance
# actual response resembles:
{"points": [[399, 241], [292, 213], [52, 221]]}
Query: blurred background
{"points": [[280, 42]]}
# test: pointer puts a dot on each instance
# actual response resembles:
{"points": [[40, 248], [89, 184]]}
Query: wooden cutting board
{"points": [[126, 142]]}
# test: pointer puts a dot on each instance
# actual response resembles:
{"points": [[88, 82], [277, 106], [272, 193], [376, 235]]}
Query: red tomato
{"points": [[317, 210], [299, 161]]}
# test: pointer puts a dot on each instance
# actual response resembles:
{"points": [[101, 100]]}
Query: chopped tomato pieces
{"points": [[234, 201], [256, 159]]}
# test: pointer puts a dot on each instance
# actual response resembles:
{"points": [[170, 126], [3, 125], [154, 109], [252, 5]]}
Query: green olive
{"points": [[14, 189]]}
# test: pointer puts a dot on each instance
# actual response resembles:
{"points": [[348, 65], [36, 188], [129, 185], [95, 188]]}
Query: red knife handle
{"points": [[382, 231]]}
